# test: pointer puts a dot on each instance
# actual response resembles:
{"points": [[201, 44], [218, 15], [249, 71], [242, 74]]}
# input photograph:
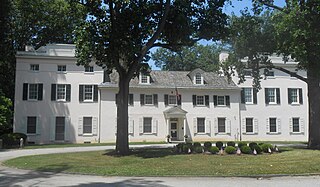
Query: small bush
{"points": [[179, 147], [245, 149], [186, 147], [13, 139], [257, 148], [233, 144], [251, 144], [213, 150], [207, 145], [196, 144], [230, 150], [265, 147], [219, 144], [240, 144], [198, 149]]}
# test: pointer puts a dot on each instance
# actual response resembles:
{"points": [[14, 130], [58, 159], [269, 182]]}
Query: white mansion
{"points": [[58, 101]]}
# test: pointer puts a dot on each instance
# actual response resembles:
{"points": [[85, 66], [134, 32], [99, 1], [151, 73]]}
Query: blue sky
{"points": [[228, 9]]}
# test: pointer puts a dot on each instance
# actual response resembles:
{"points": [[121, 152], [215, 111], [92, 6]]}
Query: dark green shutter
{"points": [[300, 96], [81, 93], [53, 92], [194, 100], [155, 99], [278, 95], [40, 92], [289, 95], [166, 102], [95, 93], [117, 95], [179, 99], [25, 91], [215, 100], [242, 96], [131, 99], [227, 100], [255, 98], [68, 92], [141, 99], [207, 100], [266, 95]]}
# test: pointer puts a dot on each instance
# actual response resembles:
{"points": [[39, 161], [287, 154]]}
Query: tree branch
{"points": [[271, 5], [292, 74]]}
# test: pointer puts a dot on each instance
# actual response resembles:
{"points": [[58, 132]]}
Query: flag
{"points": [[177, 95]]}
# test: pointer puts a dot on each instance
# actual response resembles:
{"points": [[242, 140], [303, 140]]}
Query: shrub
{"points": [[196, 144], [265, 147], [186, 147], [198, 149], [245, 149], [257, 148], [240, 144], [219, 144], [179, 147], [233, 144], [251, 144], [207, 145], [213, 150], [230, 150], [13, 139]]}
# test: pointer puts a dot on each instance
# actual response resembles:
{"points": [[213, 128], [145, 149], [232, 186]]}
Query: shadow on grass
{"points": [[146, 152]]}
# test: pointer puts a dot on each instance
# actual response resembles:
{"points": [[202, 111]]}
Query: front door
{"points": [[174, 130], [60, 126]]}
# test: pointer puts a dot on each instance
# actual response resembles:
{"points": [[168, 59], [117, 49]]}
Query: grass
{"points": [[163, 162], [84, 145]]}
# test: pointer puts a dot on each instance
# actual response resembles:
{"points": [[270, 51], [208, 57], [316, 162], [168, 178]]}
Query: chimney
{"points": [[29, 48]]}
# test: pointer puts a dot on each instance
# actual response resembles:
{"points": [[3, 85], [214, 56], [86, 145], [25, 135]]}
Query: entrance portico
{"points": [[176, 123]]}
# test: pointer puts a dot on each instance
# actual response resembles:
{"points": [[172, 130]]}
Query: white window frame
{"points": [[252, 119], [144, 79], [245, 72], [204, 125], [83, 125], [65, 92], [198, 79], [89, 69], [145, 99], [172, 98], [143, 125], [225, 125], [298, 96], [36, 92], [274, 96], [299, 125], [34, 67], [276, 123], [84, 93], [203, 99], [61, 68], [245, 96], [224, 100], [36, 123]]}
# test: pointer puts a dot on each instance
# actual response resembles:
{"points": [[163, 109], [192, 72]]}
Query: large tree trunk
{"points": [[122, 141], [314, 110]]}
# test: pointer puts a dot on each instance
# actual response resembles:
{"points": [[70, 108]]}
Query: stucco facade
{"points": [[58, 101]]}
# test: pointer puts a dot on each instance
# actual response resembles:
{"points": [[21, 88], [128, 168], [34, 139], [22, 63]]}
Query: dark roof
{"points": [[173, 79]]}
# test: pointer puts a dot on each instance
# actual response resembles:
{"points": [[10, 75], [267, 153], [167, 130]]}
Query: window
{"points": [[201, 125], [248, 95], [273, 124], [87, 125], [249, 125], [269, 73], [62, 68], [144, 79], [200, 100], [272, 95], [88, 69], [31, 125], [148, 100], [295, 96], [34, 67], [61, 92], [221, 125], [172, 99], [88, 92], [33, 92], [147, 125], [295, 125], [198, 79], [247, 73], [221, 100], [60, 128]]}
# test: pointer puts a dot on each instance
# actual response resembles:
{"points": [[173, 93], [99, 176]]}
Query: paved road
{"points": [[15, 177]]}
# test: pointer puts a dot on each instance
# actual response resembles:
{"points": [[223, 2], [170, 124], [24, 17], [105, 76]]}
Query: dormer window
{"points": [[144, 79], [198, 79]]}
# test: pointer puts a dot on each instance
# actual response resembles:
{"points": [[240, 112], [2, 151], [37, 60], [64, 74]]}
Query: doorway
{"points": [[60, 128], [174, 130]]}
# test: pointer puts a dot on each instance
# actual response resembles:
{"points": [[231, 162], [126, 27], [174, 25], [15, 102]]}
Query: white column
{"points": [[168, 126], [184, 127]]}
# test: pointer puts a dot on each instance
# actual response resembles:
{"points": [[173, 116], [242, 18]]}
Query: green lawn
{"points": [[163, 162]]}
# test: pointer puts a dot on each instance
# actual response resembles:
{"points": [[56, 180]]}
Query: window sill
{"points": [[33, 100], [34, 71], [87, 135], [87, 101], [89, 73], [271, 77], [250, 133], [295, 104], [296, 133], [61, 72], [222, 133], [31, 134], [147, 133], [201, 133], [273, 133]]}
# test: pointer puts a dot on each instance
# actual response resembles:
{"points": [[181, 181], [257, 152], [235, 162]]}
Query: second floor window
{"points": [[62, 68], [272, 95], [295, 96], [88, 69], [248, 95], [61, 92], [34, 67], [32, 92]]}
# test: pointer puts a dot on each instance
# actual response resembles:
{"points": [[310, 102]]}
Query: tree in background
{"points": [[293, 31], [189, 58], [119, 34], [5, 114]]}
